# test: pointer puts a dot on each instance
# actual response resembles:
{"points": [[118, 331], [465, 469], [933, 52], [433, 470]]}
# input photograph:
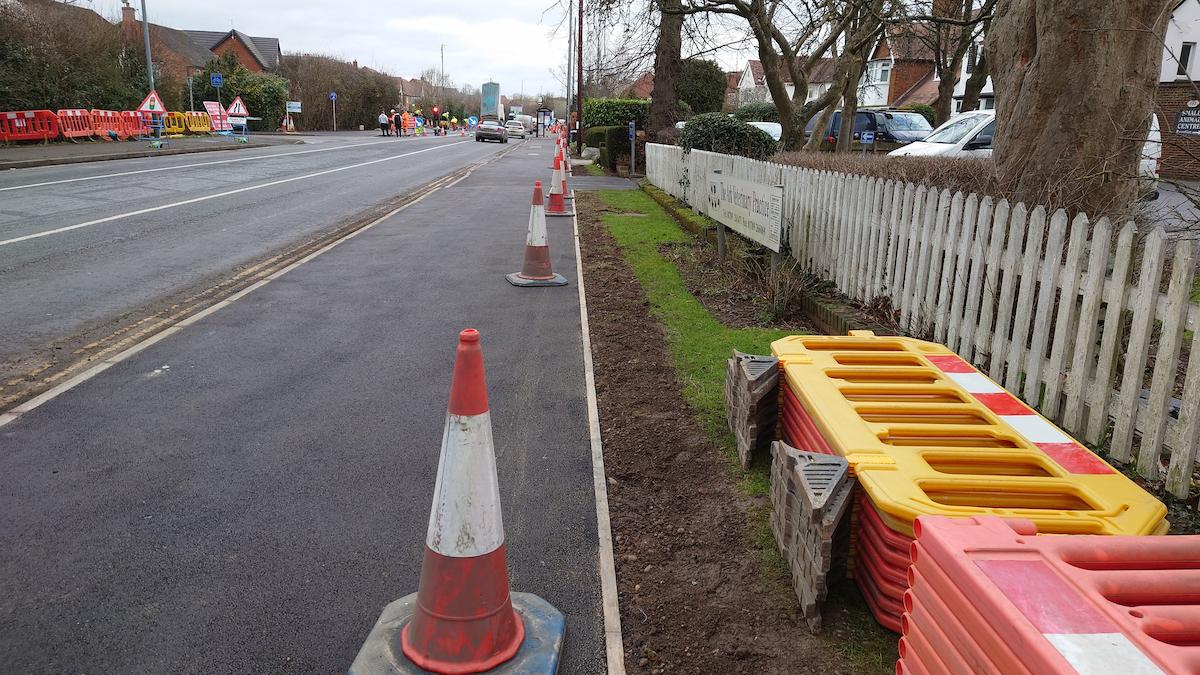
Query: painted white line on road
{"points": [[614, 647], [111, 361], [187, 166], [195, 200]]}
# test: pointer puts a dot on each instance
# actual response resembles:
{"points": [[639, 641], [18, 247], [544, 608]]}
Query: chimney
{"points": [[355, 62], [128, 22]]}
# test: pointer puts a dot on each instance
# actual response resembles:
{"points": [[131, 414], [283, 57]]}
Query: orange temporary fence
{"points": [[136, 123], [28, 125], [986, 595], [75, 123], [109, 124], [198, 122]]}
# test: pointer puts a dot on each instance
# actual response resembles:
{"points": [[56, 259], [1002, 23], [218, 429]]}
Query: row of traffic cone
{"points": [[537, 270]]}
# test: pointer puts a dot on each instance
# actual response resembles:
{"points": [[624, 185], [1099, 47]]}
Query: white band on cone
{"points": [[537, 226], [465, 520]]}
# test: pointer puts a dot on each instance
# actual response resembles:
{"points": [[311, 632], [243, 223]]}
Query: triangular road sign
{"points": [[152, 104], [237, 108]]}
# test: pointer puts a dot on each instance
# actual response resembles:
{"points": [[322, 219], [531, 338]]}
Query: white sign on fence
{"points": [[751, 209]]}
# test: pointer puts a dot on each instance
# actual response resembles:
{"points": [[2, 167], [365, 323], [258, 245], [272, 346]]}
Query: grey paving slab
{"points": [[247, 494]]}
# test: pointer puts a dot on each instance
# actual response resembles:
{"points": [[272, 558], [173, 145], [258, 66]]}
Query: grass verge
{"points": [[700, 345], [593, 169]]}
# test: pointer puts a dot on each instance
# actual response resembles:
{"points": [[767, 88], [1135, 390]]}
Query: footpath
{"points": [[27, 155], [246, 494]]}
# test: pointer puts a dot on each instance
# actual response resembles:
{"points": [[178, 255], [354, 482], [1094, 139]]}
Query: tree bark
{"points": [[941, 107], [668, 63], [849, 104], [1075, 85], [975, 82]]}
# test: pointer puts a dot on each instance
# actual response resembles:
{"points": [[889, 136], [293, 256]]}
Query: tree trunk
{"points": [[668, 63], [1075, 85], [818, 135], [975, 84], [849, 110], [942, 106]]}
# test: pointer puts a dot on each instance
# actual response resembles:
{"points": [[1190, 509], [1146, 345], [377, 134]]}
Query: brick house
{"points": [[900, 71], [256, 54], [181, 53], [1179, 92], [731, 89], [752, 82]]}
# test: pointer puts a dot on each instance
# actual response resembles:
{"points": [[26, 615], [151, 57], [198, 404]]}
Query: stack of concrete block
{"points": [[751, 402], [810, 518]]}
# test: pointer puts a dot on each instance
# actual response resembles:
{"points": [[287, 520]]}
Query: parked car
{"points": [[892, 128], [966, 135], [515, 128], [491, 130], [774, 129], [1151, 160]]}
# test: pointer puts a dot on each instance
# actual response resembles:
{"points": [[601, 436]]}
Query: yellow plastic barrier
{"points": [[927, 434], [198, 122], [174, 123]]}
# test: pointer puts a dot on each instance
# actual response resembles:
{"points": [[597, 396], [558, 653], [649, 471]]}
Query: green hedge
{"points": [[603, 112], [616, 142], [717, 132], [593, 137], [757, 112]]}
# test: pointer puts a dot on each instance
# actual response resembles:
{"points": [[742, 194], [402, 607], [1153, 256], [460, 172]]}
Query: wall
{"points": [[232, 44], [1183, 27], [905, 76], [1181, 154], [1071, 332]]}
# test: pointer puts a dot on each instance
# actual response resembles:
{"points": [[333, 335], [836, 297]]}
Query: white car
{"points": [[967, 135], [515, 128]]}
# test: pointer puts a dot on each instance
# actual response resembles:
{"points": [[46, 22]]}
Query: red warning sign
{"points": [[153, 104], [237, 108]]}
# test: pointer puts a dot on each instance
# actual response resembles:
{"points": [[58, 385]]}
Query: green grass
{"points": [[594, 169], [699, 346]]}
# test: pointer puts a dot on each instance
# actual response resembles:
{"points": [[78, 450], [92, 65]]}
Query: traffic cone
{"points": [[557, 205], [464, 619], [536, 270], [557, 163]]}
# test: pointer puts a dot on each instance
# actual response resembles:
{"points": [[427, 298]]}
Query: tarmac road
{"points": [[83, 245], [245, 495]]}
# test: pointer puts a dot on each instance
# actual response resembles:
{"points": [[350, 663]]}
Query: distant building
{"points": [[900, 71], [752, 82], [731, 89]]}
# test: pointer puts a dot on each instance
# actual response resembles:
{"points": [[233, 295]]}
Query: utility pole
{"points": [[570, 59], [146, 43], [579, 83], [442, 87]]}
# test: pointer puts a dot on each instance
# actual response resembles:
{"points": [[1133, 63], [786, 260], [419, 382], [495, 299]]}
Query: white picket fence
{"points": [[1044, 304]]}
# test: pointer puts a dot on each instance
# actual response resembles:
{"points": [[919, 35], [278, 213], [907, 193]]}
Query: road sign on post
{"points": [[216, 80], [333, 97], [237, 114], [152, 104], [632, 147], [866, 138]]}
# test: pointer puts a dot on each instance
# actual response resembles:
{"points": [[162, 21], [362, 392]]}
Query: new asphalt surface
{"points": [[183, 222], [247, 494]]}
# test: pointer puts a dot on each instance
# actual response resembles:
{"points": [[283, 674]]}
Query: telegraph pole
{"points": [[442, 88], [146, 43], [570, 59], [579, 83]]}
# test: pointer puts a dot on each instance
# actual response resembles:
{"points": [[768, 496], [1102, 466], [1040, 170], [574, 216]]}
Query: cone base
{"points": [[569, 211], [539, 654], [517, 280]]}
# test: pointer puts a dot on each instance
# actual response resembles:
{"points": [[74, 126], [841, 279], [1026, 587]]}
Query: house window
{"points": [[1185, 58], [972, 57], [879, 72]]}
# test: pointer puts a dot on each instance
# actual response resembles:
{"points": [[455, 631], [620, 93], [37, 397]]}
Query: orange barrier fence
{"points": [[136, 123], [109, 124], [75, 123], [28, 125], [986, 595]]}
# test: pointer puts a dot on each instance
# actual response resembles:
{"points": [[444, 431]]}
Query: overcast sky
{"points": [[509, 41]]}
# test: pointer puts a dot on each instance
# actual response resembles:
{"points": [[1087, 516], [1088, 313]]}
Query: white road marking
{"points": [[614, 648], [194, 200], [187, 166]]}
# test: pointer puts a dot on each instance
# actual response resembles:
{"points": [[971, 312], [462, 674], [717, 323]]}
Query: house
{"points": [[642, 87], [183, 53], [731, 89], [900, 70], [752, 81]]}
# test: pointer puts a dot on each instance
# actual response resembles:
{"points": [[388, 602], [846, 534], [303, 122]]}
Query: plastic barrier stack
{"points": [[926, 434], [198, 122], [28, 125], [137, 124], [109, 125], [175, 123], [75, 123], [988, 596]]}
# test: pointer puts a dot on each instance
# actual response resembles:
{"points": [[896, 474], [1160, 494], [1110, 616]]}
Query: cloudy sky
{"points": [[509, 41]]}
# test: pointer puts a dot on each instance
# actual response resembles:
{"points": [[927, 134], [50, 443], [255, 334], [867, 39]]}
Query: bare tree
{"points": [[1074, 87], [668, 63], [948, 34]]}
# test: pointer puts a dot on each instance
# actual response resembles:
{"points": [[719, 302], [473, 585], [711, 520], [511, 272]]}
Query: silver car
{"points": [[491, 130], [515, 128]]}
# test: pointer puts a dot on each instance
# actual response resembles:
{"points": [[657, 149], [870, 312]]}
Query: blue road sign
{"points": [[216, 80], [333, 96], [632, 129], [867, 138], [472, 120]]}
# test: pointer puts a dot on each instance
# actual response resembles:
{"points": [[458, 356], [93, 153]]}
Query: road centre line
{"points": [[187, 166], [194, 200]]}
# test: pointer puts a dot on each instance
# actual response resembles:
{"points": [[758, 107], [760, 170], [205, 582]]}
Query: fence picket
{"points": [[1023, 314], [1084, 357], [1183, 455], [948, 244], [929, 221], [893, 206], [990, 289], [865, 228], [1166, 361], [1008, 290], [962, 275], [874, 244], [909, 261], [1110, 338], [908, 199], [1051, 264], [1121, 446], [1064, 327]]}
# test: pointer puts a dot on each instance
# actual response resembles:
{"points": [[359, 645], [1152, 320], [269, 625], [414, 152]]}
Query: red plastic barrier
{"points": [[75, 123], [136, 123], [1010, 602], [106, 121], [799, 431], [28, 125]]}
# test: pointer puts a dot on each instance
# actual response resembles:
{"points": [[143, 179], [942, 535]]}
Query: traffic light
{"points": [[435, 111]]}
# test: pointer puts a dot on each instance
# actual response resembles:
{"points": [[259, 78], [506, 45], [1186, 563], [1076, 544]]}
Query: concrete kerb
{"points": [[132, 154]]}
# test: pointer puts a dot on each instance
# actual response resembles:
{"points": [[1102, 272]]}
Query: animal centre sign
{"points": [[753, 210]]}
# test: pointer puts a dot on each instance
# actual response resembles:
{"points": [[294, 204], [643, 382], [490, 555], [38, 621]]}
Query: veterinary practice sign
{"points": [[753, 210]]}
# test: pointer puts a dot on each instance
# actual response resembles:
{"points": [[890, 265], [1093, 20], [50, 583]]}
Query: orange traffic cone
{"points": [[464, 619], [558, 206], [536, 270]]}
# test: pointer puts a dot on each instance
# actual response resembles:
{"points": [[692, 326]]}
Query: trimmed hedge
{"points": [[757, 112], [593, 137], [616, 143], [717, 132], [604, 112]]}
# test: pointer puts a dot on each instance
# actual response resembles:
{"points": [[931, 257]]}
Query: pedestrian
{"points": [[383, 123], [397, 123]]}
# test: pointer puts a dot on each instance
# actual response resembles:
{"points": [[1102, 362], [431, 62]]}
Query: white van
{"points": [[970, 135]]}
